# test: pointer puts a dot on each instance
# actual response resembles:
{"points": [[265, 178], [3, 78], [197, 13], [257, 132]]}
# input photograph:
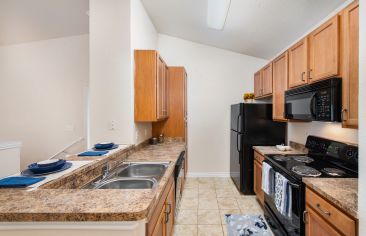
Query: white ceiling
{"points": [[30, 20], [260, 28]]}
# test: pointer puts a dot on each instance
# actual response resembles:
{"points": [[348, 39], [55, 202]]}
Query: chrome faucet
{"points": [[105, 172]]}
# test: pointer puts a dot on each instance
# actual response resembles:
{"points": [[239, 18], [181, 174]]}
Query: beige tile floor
{"points": [[204, 203]]}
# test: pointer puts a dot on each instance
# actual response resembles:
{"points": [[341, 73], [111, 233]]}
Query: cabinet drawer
{"points": [[258, 157], [331, 214]]}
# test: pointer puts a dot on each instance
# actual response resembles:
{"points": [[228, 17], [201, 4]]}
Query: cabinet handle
{"points": [[170, 208], [309, 75], [302, 76], [304, 213], [343, 117], [320, 209], [166, 220]]}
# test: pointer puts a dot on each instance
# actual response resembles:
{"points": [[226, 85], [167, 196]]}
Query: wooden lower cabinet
{"points": [[258, 159], [316, 225], [324, 218], [162, 221], [159, 229]]}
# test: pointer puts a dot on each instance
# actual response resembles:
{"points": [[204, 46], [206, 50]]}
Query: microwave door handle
{"points": [[313, 106]]}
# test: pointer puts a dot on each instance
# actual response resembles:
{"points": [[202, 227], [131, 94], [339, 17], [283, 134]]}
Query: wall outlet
{"points": [[69, 128], [112, 125]]}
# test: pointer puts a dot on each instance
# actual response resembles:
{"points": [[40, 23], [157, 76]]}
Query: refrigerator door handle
{"points": [[237, 123], [238, 144]]}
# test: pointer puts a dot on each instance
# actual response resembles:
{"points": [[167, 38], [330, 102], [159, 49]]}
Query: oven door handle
{"points": [[294, 185]]}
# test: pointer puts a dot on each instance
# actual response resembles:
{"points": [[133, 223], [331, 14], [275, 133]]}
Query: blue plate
{"points": [[106, 149], [38, 165], [35, 168], [27, 172], [103, 145]]}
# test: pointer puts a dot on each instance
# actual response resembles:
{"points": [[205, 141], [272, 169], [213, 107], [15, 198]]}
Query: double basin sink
{"points": [[132, 175]]}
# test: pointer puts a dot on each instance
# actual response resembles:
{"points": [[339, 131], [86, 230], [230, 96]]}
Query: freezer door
{"points": [[235, 155], [237, 117]]}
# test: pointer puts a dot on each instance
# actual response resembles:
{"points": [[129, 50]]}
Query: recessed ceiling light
{"points": [[217, 11]]}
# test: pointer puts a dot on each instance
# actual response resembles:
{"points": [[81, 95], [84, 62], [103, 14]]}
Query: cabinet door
{"points": [[350, 62], [159, 229], [258, 181], [160, 89], [324, 51], [267, 80], [258, 84], [298, 63], [170, 212], [316, 225], [280, 80]]}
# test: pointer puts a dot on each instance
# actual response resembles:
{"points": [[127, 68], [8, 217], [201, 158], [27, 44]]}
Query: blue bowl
{"points": [[35, 168], [103, 145]]}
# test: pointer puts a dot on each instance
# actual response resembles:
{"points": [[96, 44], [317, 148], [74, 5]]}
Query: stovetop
{"points": [[300, 166]]}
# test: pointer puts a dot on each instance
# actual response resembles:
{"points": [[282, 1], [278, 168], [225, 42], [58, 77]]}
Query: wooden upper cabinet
{"points": [[162, 108], [350, 64], [258, 84], [263, 82], [267, 77], [298, 64], [150, 86], [324, 51], [280, 79]]}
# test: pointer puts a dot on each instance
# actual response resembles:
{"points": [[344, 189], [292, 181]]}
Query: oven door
{"points": [[293, 225]]}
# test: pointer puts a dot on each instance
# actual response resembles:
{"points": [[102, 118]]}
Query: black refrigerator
{"points": [[251, 125]]}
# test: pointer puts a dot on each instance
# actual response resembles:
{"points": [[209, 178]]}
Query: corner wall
{"points": [[143, 36], [216, 79]]}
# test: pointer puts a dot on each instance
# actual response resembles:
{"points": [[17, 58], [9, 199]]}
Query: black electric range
{"points": [[326, 159]]}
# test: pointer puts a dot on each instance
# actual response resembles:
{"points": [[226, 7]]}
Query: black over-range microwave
{"points": [[320, 101]]}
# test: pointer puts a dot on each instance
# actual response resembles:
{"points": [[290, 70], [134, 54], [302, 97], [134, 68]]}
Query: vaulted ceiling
{"points": [[260, 28], [31, 20]]}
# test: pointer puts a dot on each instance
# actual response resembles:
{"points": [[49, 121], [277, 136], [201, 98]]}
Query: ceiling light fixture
{"points": [[217, 11]]}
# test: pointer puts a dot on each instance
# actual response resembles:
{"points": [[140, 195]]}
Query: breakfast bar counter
{"points": [[65, 200]]}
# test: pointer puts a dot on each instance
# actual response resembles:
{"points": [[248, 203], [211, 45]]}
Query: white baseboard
{"points": [[208, 174]]}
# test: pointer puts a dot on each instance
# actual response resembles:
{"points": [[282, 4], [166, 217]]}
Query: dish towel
{"points": [[267, 178], [19, 181], [92, 153], [283, 195]]}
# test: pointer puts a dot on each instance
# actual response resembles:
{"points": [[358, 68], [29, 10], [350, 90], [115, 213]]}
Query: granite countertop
{"points": [[342, 192], [63, 200], [267, 150]]}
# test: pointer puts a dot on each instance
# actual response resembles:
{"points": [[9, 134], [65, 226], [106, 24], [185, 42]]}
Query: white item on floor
{"points": [[266, 178], [9, 158], [283, 148], [283, 195], [50, 177]]}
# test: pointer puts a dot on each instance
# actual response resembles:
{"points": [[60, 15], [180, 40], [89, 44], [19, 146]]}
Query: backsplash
{"points": [[298, 132]]}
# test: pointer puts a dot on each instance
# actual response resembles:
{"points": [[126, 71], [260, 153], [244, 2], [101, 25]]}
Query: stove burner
{"points": [[281, 158], [306, 171], [304, 159], [333, 171]]}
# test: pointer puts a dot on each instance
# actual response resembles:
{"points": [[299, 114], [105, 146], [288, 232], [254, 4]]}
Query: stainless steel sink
{"points": [[127, 183], [130, 175], [145, 170]]}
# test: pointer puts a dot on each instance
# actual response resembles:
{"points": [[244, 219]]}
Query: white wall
{"points": [[216, 79], [110, 72], [143, 36], [42, 95], [299, 131], [362, 122]]}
